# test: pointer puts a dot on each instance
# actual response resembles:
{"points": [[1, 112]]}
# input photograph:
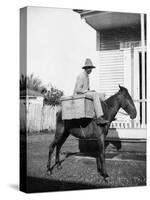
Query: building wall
{"points": [[119, 51], [111, 71], [111, 39], [115, 57]]}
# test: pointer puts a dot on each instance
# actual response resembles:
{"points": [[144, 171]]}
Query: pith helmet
{"points": [[88, 64]]}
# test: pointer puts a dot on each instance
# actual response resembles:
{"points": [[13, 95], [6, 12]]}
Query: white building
{"points": [[121, 42]]}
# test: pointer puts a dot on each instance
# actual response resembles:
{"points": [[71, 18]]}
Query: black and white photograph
{"points": [[83, 99]]}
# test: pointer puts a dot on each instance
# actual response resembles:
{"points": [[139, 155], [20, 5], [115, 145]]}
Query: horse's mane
{"points": [[110, 101]]}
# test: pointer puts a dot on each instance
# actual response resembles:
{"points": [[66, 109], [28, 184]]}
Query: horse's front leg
{"points": [[101, 156], [58, 147], [51, 149], [98, 164]]}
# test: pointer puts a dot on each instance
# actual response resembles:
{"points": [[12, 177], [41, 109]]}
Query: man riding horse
{"points": [[82, 87], [97, 129]]}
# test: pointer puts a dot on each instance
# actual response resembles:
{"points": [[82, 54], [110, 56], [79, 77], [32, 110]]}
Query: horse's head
{"points": [[127, 103]]}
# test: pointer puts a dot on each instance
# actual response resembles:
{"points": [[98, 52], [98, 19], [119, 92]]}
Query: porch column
{"points": [[132, 78], [143, 68]]}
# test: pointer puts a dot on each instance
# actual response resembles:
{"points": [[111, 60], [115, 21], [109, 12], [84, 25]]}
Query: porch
{"points": [[129, 141], [129, 129], [125, 135]]}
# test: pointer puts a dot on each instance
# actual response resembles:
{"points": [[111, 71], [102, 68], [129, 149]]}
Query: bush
{"points": [[31, 82], [52, 97]]}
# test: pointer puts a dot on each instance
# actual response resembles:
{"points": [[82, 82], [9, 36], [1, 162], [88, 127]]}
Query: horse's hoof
{"points": [[99, 171], [49, 172], [59, 167], [104, 175], [105, 179]]}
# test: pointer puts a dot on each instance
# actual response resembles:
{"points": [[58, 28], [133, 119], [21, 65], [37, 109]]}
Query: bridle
{"points": [[123, 113], [125, 108]]}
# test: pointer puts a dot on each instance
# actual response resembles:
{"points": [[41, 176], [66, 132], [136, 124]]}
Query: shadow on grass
{"points": [[69, 154], [35, 184]]}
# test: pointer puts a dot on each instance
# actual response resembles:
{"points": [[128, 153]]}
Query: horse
{"points": [[88, 128]]}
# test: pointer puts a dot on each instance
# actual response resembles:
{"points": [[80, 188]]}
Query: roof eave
{"points": [[102, 20]]}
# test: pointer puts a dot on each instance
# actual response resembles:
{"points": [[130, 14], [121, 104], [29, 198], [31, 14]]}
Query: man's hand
{"points": [[85, 91]]}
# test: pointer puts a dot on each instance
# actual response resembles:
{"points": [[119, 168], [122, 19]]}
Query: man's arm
{"points": [[79, 86]]}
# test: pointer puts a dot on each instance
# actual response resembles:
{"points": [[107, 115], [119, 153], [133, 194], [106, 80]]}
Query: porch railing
{"points": [[124, 121]]}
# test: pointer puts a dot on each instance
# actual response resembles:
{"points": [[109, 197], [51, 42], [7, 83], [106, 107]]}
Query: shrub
{"points": [[52, 97]]}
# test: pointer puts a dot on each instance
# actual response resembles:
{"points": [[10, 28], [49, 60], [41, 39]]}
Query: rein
{"points": [[124, 109], [123, 113]]}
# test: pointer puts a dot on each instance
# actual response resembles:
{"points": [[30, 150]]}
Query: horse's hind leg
{"points": [[101, 144], [98, 164], [58, 147], [51, 149], [101, 166]]}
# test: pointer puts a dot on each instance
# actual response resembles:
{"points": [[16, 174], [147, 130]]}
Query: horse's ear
{"points": [[120, 87]]}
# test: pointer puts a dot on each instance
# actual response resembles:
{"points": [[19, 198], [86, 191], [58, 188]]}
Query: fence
{"points": [[35, 117]]}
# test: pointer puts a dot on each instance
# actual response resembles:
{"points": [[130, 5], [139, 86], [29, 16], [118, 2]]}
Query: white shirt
{"points": [[82, 83]]}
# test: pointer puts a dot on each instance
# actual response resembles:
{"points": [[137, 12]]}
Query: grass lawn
{"points": [[78, 172]]}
